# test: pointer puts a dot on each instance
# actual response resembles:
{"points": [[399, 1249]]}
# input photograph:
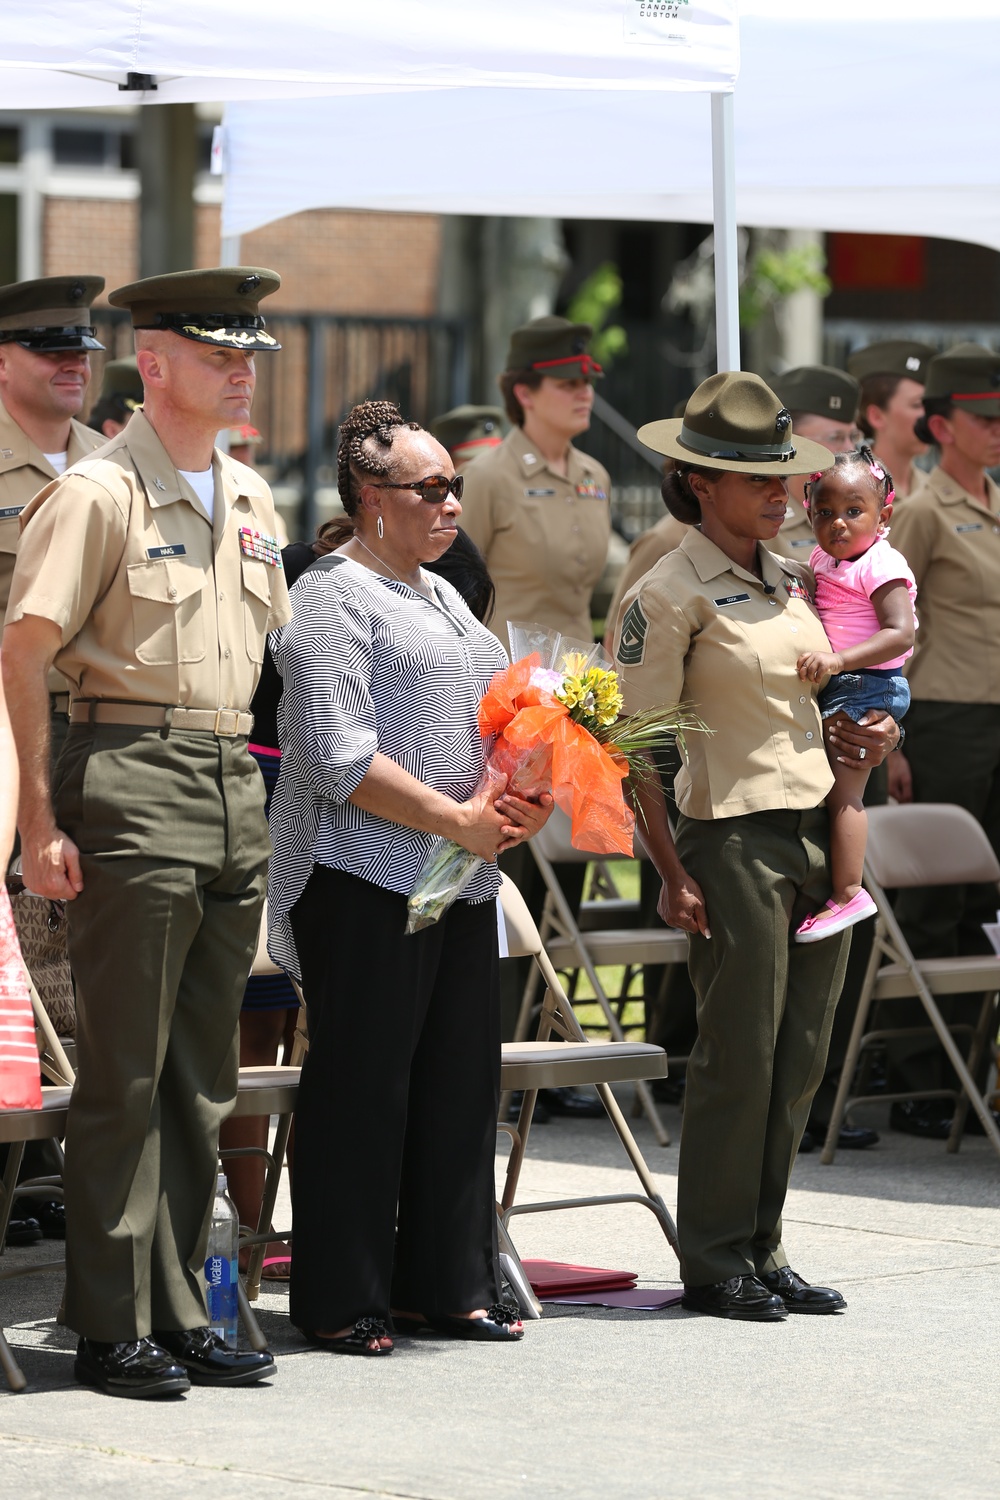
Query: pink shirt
{"points": [[844, 594]]}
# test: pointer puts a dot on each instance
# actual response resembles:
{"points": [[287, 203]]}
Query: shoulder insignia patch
{"points": [[632, 642]]}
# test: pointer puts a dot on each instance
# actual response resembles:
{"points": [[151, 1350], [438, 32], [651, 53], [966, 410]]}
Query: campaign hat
{"points": [[967, 375], [218, 306], [736, 423], [50, 315], [553, 346], [905, 357], [820, 390]]}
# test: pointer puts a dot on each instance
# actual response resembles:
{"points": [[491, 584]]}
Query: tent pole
{"points": [[727, 292], [229, 250]]}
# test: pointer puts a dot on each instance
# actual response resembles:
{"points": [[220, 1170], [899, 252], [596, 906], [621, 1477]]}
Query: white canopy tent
{"points": [[865, 115], [57, 53]]}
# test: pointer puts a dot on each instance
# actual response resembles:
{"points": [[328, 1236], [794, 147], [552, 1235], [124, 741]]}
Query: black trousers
{"points": [[393, 1202]]}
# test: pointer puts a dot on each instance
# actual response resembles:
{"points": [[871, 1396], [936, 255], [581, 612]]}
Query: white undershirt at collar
{"points": [[203, 484], [58, 461]]}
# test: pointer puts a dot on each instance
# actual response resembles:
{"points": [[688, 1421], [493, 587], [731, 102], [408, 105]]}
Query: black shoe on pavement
{"points": [[138, 1368], [849, 1138], [209, 1361], [928, 1118], [539, 1115], [572, 1102], [807, 1143], [798, 1296], [23, 1232], [740, 1297]]}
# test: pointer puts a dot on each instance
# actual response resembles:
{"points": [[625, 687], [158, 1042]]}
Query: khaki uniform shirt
{"points": [[24, 470], [155, 605], [544, 536], [952, 543], [644, 553], [702, 631], [796, 538]]}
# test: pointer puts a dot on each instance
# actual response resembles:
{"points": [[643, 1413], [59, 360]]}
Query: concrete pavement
{"points": [[896, 1398]]}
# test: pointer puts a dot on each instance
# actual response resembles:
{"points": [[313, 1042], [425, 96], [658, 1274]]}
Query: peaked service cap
{"points": [[218, 306], [904, 357], [968, 375], [553, 346], [482, 425], [736, 423], [51, 314], [820, 390]]}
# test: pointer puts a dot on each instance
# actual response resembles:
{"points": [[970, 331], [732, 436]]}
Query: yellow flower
{"points": [[592, 696]]}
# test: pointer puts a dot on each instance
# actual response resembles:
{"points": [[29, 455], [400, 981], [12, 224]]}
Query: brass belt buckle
{"points": [[224, 718]]}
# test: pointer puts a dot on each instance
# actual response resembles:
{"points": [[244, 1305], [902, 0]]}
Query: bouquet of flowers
{"points": [[555, 719]]}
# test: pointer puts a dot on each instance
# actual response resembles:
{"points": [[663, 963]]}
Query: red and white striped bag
{"points": [[20, 1076]]}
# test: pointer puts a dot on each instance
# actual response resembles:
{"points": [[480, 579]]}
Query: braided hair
{"points": [[858, 458], [364, 449]]}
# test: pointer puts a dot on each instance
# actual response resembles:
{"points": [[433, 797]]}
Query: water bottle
{"points": [[221, 1265]]}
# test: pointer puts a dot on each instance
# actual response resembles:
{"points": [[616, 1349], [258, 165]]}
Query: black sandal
{"points": [[501, 1323], [358, 1341]]}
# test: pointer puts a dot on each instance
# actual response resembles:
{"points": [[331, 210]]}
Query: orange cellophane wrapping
{"points": [[539, 747]]}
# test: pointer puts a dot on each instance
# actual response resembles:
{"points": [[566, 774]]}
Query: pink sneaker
{"points": [[834, 918]]}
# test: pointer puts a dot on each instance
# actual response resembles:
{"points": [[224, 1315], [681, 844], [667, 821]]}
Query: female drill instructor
{"points": [[720, 623]]}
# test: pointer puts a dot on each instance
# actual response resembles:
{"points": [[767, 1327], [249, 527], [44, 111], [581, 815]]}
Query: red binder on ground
{"points": [[556, 1278]]}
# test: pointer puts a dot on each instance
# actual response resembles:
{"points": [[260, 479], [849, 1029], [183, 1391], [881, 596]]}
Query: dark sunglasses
{"points": [[434, 490]]}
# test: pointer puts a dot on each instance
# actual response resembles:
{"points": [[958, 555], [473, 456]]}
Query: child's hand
{"points": [[812, 665]]}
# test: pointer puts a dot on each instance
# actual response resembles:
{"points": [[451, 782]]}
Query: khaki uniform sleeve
{"points": [[914, 533], [478, 500], [72, 544], [652, 640]]}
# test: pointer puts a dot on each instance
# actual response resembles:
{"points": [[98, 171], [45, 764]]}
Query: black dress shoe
{"points": [[539, 1115], [807, 1143], [208, 1361], [138, 1368], [849, 1137], [572, 1102], [740, 1297], [798, 1296], [928, 1118], [23, 1232]]}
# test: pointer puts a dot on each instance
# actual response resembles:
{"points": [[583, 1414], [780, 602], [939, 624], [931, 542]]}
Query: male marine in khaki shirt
{"points": [[46, 339], [151, 575]]}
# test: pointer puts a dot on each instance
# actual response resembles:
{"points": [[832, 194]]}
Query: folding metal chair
{"points": [[923, 844], [266, 1091], [562, 1055], [571, 948]]}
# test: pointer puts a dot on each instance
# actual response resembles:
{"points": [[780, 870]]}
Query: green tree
{"points": [[594, 302]]}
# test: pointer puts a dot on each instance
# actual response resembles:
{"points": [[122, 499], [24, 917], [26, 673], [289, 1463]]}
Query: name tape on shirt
{"points": [[539, 492], [970, 526], [632, 642], [260, 547], [733, 599], [172, 549], [795, 589], [10, 510], [805, 541], [590, 490]]}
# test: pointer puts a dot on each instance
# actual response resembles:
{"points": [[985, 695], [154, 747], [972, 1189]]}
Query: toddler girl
{"points": [[865, 595]]}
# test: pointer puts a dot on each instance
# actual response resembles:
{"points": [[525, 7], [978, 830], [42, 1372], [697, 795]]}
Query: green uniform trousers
{"points": [[954, 755], [765, 1009], [174, 845]]}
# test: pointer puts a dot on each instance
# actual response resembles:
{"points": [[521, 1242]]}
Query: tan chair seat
{"points": [[552, 1065], [944, 976], [37, 1124], [266, 1091], [621, 945]]}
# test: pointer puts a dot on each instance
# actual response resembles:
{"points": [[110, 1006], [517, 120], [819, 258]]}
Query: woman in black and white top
{"points": [[383, 667]]}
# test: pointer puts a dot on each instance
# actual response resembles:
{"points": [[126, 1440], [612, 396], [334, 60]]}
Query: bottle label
{"points": [[220, 1283]]}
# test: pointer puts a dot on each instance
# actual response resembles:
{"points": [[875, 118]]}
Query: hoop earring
{"points": [[380, 528]]}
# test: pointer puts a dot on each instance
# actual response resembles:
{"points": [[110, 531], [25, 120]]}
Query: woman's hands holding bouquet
{"points": [[494, 820]]}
